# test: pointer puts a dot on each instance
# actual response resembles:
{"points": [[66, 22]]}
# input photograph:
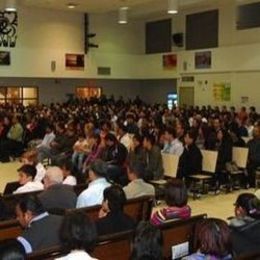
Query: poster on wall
{"points": [[170, 61], [5, 58], [222, 92], [203, 60], [75, 61]]}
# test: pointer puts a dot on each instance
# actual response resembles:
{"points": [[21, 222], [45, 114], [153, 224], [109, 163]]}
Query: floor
{"points": [[220, 206]]}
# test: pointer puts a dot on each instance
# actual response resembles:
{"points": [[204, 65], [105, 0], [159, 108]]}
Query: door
{"points": [[186, 96]]}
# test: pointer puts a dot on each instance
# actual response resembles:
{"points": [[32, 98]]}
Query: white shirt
{"points": [[29, 187], [175, 147], [93, 195], [40, 172], [77, 255], [48, 138], [126, 141], [70, 180]]}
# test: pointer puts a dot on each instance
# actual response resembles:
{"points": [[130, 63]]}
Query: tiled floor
{"points": [[220, 206]]}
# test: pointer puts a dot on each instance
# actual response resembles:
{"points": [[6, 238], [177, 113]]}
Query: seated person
{"points": [[154, 168], [93, 195], [137, 186], [12, 250], [77, 244], [137, 152], [30, 157], [41, 230], [112, 218], [67, 170], [147, 243], [245, 226], [56, 195], [172, 144], [48, 137], [27, 174], [115, 155], [212, 240], [123, 136], [176, 198], [191, 160]]}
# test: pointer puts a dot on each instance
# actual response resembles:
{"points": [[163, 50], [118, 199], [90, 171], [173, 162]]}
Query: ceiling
{"points": [[137, 8]]}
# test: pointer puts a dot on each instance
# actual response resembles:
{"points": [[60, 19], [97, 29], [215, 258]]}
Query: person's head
{"points": [[114, 199], [252, 109], [147, 242], [212, 237], [95, 139], [28, 208], [78, 232], [222, 135], [176, 194], [60, 128], [49, 129], [190, 137], [244, 205], [29, 157], [148, 142], [121, 129], [136, 170], [137, 140], [66, 167], [170, 134], [15, 120], [180, 129], [26, 173], [256, 131], [110, 140], [216, 124], [12, 250], [97, 169], [53, 175]]}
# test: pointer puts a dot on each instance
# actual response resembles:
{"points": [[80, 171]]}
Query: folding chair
{"points": [[209, 163]]}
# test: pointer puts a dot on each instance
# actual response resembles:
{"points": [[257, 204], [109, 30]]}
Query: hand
{"points": [[102, 213]]}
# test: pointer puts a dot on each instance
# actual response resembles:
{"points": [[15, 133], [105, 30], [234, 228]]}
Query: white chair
{"points": [[170, 166], [209, 163]]}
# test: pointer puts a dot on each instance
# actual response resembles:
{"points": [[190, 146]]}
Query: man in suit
{"points": [[41, 230], [57, 195]]}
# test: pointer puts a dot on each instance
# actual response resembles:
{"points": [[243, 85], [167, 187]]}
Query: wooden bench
{"points": [[118, 246], [9, 229]]}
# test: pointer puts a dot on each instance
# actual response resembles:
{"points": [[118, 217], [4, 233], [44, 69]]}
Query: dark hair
{"points": [[28, 170], [176, 193], [110, 137], [139, 138], [147, 242], [138, 168], [96, 137], [150, 138], [193, 134], [245, 201], [31, 203], [99, 167], [116, 198], [212, 236], [67, 165], [77, 231], [122, 127], [171, 131], [12, 250]]}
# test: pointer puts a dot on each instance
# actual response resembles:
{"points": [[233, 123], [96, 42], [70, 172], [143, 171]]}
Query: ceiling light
{"points": [[10, 6], [172, 6], [71, 5], [122, 15]]}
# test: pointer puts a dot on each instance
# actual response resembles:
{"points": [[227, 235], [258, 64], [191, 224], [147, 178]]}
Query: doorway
{"points": [[186, 96]]}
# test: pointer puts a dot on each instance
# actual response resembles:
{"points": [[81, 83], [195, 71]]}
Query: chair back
{"points": [[170, 164], [209, 161], [10, 229], [240, 156]]}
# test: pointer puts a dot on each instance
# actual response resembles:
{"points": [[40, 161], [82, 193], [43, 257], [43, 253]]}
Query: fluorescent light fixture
{"points": [[71, 5], [122, 15], [10, 6], [172, 6]]}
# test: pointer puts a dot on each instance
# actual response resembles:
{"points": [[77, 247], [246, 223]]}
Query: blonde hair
{"points": [[31, 156]]}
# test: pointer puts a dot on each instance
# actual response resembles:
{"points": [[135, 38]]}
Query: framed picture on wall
{"points": [[5, 58], [170, 61], [75, 61], [203, 60]]}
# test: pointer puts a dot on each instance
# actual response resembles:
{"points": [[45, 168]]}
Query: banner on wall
{"points": [[169, 61], [222, 92]]}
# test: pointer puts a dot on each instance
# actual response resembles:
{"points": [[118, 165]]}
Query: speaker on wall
{"points": [[177, 39]]}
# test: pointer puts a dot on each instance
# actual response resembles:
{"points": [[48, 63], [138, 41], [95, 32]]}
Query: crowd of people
{"points": [[116, 147]]}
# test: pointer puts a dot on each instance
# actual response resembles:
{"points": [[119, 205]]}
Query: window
{"points": [[88, 92], [19, 95]]}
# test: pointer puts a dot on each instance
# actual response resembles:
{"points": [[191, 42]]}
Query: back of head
{"points": [[12, 250], [212, 237], [138, 169], [176, 193], [78, 232], [54, 175], [246, 202], [31, 203], [28, 170], [115, 197], [147, 243], [99, 168]]}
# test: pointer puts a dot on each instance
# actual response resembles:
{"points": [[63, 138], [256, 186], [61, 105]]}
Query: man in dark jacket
{"points": [[41, 230]]}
